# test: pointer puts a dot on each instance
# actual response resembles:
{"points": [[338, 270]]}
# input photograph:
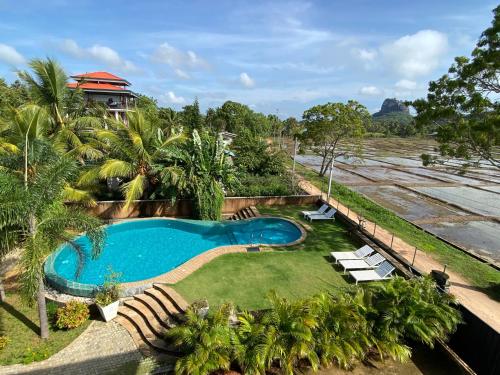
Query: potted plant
{"points": [[107, 298]]}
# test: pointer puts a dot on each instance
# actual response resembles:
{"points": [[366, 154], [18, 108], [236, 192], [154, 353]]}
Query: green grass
{"points": [[20, 324], [294, 272], [479, 274]]}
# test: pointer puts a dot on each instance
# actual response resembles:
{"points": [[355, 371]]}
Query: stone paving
{"points": [[103, 347]]}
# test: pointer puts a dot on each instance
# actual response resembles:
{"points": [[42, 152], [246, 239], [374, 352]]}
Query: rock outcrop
{"points": [[392, 105]]}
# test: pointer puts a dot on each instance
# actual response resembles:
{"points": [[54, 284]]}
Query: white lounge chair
{"points": [[361, 253], [356, 264], [326, 216], [321, 210], [382, 272]]}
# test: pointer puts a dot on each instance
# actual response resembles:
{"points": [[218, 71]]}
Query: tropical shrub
{"points": [[253, 186], [326, 329], [205, 342], [409, 309], [72, 315], [4, 340], [205, 172]]}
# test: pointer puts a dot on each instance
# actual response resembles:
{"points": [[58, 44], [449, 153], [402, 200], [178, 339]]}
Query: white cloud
{"points": [[406, 84], [246, 80], [370, 90], [417, 54], [170, 97], [365, 54], [99, 53], [10, 56], [168, 54], [181, 74]]}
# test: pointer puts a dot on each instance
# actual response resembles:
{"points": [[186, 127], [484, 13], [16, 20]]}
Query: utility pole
{"points": [[330, 180]]}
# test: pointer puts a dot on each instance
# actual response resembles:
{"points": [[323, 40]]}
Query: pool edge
{"points": [[171, 277]]}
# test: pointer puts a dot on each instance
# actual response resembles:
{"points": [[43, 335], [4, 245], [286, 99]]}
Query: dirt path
{"points": [[469, 296]]}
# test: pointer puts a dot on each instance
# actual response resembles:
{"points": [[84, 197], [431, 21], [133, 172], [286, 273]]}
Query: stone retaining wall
{"points": [[111, 210]]}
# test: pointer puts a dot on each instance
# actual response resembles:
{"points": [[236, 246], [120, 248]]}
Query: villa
{"points": [[106, 88]]}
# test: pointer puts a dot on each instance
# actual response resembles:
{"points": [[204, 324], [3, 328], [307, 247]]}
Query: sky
{"points": [[279, 57]]}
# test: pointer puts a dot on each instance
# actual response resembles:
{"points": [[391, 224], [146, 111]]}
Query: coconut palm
{"points": [[22, 125], [205, 342], [289, 334], [342, 334], [204, 171], [138, 154], [33, 217], [412, 309], [73, 122]]}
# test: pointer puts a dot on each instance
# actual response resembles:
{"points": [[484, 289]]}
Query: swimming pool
{"points": [[146, 248]]}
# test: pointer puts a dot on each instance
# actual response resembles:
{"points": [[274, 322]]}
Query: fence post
{"points": [[348, 210], [392, 240], [414, 255], [374, 229]]}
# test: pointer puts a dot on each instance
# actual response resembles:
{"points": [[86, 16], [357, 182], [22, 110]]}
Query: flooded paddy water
{"points": [[463, 208]]}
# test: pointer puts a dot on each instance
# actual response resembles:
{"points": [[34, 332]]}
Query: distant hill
{"points": [[392, 106], [393, 119]]}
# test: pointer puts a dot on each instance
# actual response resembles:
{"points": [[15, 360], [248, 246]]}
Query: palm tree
{"points": [[205, 172], [22, 126], [412, 309], [205, 342], [289, 334], [48, 86], [73, 122], [33, 216], [138, 154], [342, 333], [248, 340]]}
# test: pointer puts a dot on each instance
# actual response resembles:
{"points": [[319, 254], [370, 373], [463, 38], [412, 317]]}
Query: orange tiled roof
{"points": [[101, 75], [97, 86]]}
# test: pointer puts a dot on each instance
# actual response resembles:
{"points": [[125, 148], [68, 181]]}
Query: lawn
{"points": [[479, 274], [20, 324], [294, 272]]}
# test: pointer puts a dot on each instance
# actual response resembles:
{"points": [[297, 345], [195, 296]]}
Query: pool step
{"points": [[149, 315], [245, 213]]}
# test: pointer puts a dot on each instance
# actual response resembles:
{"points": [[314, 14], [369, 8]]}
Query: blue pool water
{"points": [[143, 249]]}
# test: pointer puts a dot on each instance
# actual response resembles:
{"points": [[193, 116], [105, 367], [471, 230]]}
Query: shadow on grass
{"points": [[20, 316]]}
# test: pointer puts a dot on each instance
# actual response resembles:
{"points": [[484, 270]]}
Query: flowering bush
{"points": [[73, 315]]}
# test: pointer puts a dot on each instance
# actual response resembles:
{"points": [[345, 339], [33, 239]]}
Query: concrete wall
{"points": [[183, 208]]}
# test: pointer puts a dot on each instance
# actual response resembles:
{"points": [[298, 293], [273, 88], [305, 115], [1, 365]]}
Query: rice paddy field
{"points": [[460, 207]]}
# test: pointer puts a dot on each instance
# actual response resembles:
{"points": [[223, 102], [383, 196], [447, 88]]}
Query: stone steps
{"points": [[149, 315], [245, 213]]}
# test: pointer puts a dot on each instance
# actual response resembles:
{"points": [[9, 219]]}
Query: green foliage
{"points": [[463, 104], [4, 340], [191, 117], [328, 124], [109, 292], [254, 156], [149, 109], [35, 355], [205, 342], [72, 315], [394, 123], [12, 96], [204, 171], [138, 153], [255, 185], [321, 330]]}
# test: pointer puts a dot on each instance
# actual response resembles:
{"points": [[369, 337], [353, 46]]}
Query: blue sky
{"points": [[276, 56]]}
